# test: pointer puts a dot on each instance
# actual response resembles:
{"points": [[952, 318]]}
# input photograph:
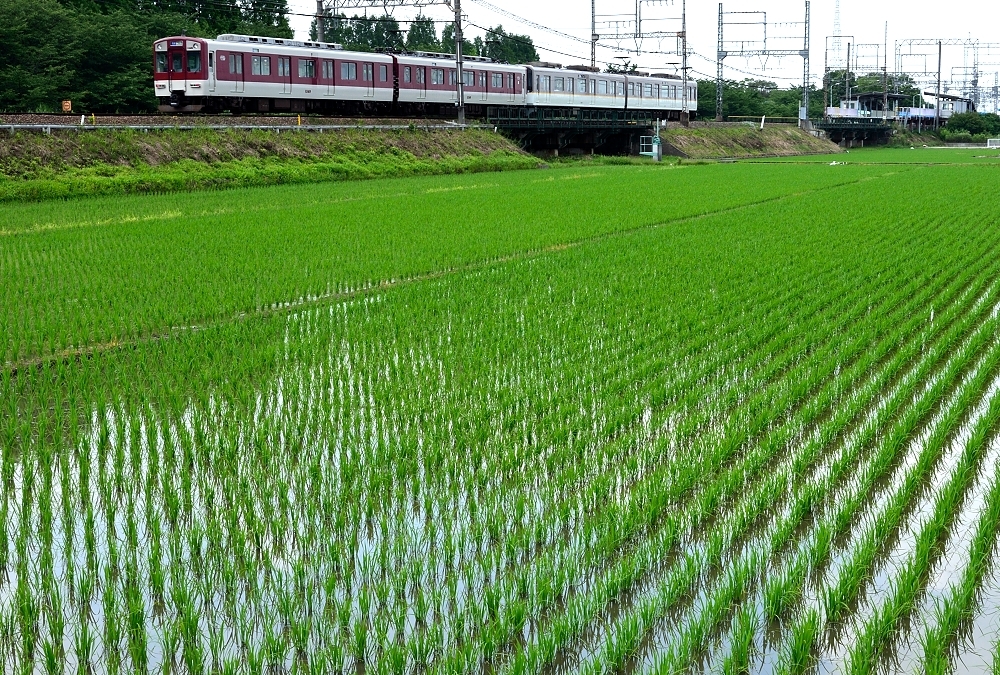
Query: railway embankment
{"points": [[36, 165], [740, 141]]}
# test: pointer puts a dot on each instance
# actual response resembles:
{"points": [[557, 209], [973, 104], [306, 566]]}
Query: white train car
{"points": [[582, 87]]}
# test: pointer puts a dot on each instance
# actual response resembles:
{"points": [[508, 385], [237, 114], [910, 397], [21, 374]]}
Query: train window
{"points": [[327, 70], [194, 62], [368, 72], [451, 77], [498, 80], [647, 90], [307, 68], [621, 88], [383, 73], [421, 76], [482, 79], [348, 71], [176, 65], [161, 62], [211, 59], [560, 84], [284, 66], [570, 84], [656, 91], [260, 65], [407, 74], [511, 81], [602, 87], [469, 78], [437, 76], [235, 64]]}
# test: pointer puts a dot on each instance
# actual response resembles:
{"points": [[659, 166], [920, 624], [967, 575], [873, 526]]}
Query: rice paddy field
{"points": [[597, 419]]}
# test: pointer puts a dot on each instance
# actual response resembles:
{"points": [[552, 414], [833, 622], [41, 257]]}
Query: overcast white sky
{"points": [[864, 19]]}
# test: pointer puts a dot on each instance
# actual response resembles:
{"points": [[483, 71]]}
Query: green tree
{"points": [[361, 33], [622, 68], [422, 36], [508, 47], [448, 42], [756, 98], [974, 123], [266, 17], [98, 53]]}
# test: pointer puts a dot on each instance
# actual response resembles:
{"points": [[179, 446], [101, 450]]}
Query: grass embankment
{"points": [[37, 166], [717, 142]]}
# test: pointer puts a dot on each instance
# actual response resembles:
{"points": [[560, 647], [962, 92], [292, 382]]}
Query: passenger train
{"points": [[242, 73]]}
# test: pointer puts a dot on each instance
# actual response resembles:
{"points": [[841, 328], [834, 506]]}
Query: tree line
{"points": [[98, 53], [755, 98], [384, 33]]}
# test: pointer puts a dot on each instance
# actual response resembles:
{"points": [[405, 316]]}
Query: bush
{"points": [[974, 124]]}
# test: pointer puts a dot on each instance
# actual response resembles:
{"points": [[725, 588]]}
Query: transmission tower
{"points": [[837, 44], [760, 46]]}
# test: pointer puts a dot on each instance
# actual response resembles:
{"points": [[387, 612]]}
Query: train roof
{"points": [[255, 39]]}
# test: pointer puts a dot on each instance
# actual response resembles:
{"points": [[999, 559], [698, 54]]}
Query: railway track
{"points": [[63, 120]]}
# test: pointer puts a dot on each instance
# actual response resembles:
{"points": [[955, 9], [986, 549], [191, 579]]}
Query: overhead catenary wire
{"points": [[533, 24]]}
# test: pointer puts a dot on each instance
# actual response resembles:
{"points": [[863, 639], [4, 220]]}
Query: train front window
{"points": [[161, 63], [177, 63], [194, 62]]}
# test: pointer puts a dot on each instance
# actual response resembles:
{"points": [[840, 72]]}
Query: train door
{"points": [[211, 71], [331, 83], [233, 64], [421, 75], [175, 65], [285, 74], [368, 76]]}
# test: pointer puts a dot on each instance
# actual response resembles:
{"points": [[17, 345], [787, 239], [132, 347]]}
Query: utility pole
{"points": [[720, 55], [593, 34], [320, 22], [885, 77], [805, 72], [937, 96], [826, 73], [847, 75], [458, 62], [685, 111]]}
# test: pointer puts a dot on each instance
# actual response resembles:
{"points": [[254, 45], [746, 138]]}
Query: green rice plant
{"points": [[741, 641], [801, 645]]}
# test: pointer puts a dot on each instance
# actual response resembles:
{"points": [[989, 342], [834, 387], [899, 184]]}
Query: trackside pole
{"points": [[458, 62]]}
